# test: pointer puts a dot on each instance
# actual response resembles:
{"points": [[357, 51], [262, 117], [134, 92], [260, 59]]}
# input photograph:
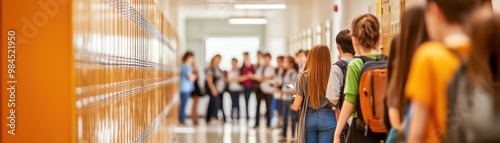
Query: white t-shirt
{"points": [[235, 85], [267, 86]]}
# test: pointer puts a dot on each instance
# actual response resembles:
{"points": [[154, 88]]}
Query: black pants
{"points": [[214, 105], [357, 135], [247, 92], [268, 98]]}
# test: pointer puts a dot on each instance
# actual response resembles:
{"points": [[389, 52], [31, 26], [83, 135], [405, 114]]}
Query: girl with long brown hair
{"points": [[413, 33], [317, 116]]}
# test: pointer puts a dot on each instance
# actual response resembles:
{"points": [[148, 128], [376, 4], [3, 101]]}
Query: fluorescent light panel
{"points": [[259, 6], [247, 21]]}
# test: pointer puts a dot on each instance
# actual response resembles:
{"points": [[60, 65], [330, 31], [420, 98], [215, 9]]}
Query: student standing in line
{"points": [[195, 95], [433, 66], [186, 86], [246, 70], [288, 77], [264, 75], [336, 82], [235, 89], [413, 34], [317, 118], [215, 86], [365, 39], [278, 95]]}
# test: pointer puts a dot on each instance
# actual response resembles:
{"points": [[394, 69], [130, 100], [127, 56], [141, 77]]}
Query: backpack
{"points": [[343, 66], [471, 110], [371, 107]]}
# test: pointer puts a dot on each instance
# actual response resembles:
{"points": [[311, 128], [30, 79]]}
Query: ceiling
{"points": [[221, 9]]}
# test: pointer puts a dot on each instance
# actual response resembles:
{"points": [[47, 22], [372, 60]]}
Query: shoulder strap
{"points": [[342, 65]]}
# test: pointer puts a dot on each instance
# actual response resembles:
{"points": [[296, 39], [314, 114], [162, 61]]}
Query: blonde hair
{"points": [[317, 71]]}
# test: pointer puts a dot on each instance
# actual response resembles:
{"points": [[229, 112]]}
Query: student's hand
{"points": [[293, 91], [215, 93], [336, 139], [294, 109]]}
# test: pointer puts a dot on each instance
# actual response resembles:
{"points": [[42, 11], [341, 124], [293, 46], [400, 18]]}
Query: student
{"points": [[433, 66], [264, 75], [214, 87], [246, 70], [317, 118], [186, 86], [288, 77], [233, 79], [413, 34], [300, 59], [365, 39], [195, 95], [336, 83], [277, 96], [478, 81]]}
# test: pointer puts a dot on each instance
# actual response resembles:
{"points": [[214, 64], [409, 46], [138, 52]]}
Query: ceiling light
{"points": [[247, 21], [259, 6]]}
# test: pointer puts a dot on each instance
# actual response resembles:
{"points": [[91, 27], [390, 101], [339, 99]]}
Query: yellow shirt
{"points": [[432, 69]]}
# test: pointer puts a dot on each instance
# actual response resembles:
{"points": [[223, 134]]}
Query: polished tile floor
{"points": [[230, 132], [216, 131]]}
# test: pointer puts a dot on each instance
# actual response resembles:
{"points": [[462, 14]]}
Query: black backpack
{"points": [[343, 66]]}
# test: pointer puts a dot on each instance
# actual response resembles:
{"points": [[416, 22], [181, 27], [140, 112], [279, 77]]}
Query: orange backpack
{"points": [[370, 107]]}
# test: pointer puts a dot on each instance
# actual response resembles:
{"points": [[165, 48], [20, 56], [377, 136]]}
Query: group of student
{"points": [[267, 82], [440, 82]]}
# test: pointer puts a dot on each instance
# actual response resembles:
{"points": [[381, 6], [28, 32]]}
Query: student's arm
{"points": [[191, 75], [334, 83], [394, 118], [418, 122], [286, 89], [298, 90], [297, 103], [345, 113]]}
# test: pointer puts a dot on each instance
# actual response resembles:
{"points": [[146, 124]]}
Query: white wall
{"points": [[301, 15], [496, 5]]}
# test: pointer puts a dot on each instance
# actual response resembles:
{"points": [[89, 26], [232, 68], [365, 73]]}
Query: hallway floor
{"points": [[231, 132]]}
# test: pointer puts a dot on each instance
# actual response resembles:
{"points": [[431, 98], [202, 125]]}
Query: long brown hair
{"points": [[317, 71], [484, 62], [212, 62], [413, 34]]}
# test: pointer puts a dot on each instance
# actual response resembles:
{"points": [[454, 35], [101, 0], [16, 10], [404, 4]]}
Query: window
{"points": [[231, 47]]}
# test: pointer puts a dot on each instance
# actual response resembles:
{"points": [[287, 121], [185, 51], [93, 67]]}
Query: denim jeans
{"points": [[287, 112], [247, 92], [182, 108], [320, 125], [235, 98]]}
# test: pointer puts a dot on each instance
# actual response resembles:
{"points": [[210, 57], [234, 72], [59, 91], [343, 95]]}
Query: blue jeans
{"points": [[287, 112], [247, 92], [320, 125], [182, 108], [235, 98]]}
